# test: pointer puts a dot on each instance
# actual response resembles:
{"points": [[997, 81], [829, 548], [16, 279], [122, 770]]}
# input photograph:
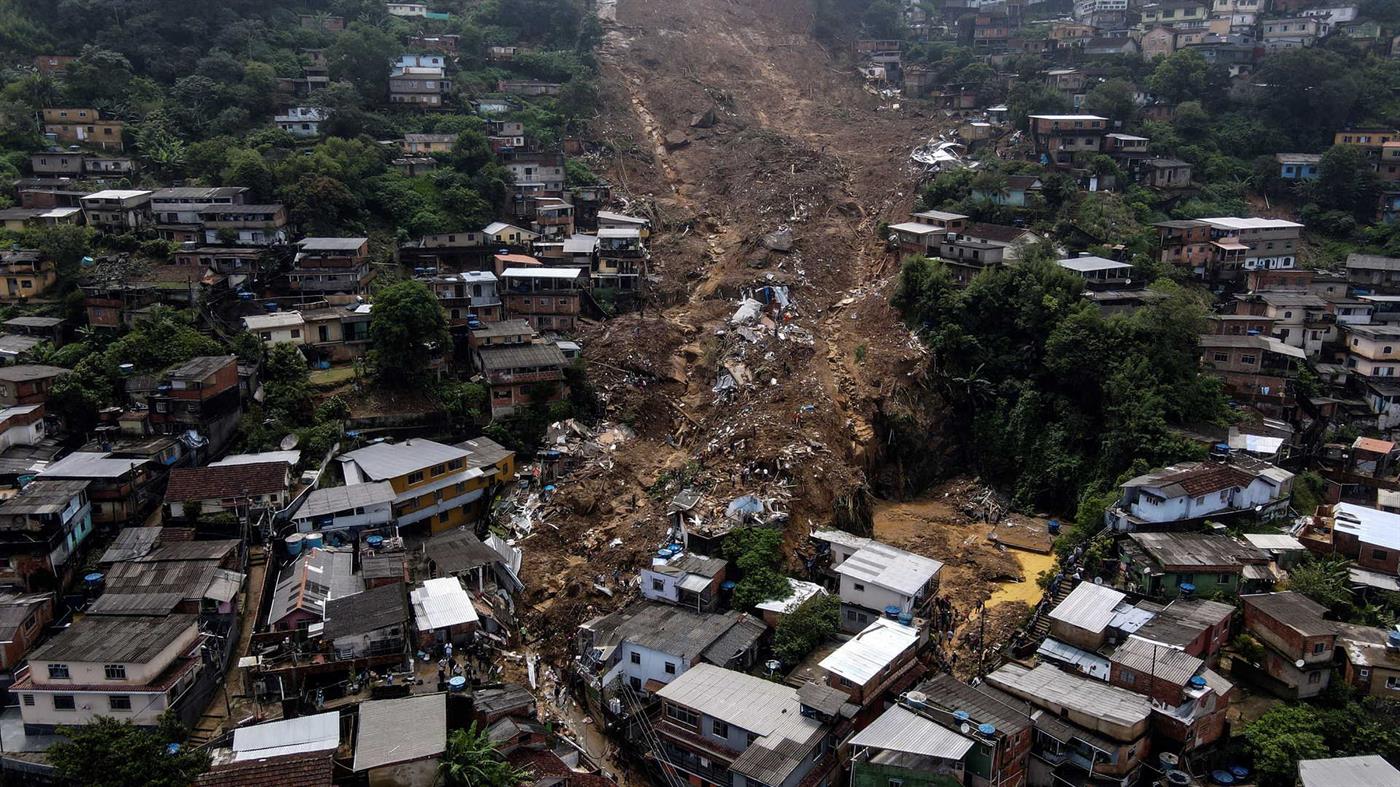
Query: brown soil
{"points": [[797, 145]]}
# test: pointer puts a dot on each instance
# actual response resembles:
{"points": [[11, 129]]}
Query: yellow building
{"points": [[24, 274], [440, 485]]}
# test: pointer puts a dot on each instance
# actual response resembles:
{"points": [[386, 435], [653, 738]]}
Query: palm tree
{"points": [[471, 760]]}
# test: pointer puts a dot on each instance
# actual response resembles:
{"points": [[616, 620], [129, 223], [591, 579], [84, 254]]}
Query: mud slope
{"points": [[726, 122]]}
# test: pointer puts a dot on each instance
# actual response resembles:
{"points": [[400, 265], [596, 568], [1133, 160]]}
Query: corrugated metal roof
{"points": [[1088, 606], [800, 592], [1091, 664], [345, 498], [870, 651], [385, 461], [1274, 541], [1048, 683], [91, 465], [890, 568], [401, 730], [1368, 525], [1370, 770], [131, 543], [289, 736], [1162, 661], [900, 730], [440, 603]]}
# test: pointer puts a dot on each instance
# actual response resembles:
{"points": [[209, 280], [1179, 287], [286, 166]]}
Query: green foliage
{"points": [[471, 760], [806, 627], [1056, 395], [1346, 181], [111, 753], [1309, 489], [1186, 76], [408, 329], [758, 554], [1325, 580], [1337, 726]]}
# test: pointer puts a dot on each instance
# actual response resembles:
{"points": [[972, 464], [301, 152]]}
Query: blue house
{"points": [[1298, 166], [1017, 193]]}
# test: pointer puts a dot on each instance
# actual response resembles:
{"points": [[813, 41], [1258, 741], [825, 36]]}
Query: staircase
{"points": [[1042, 624]]}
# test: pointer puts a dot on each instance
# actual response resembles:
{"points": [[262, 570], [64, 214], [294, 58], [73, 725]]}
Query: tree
{"points": [[806, 627], [883, 19], [1115, 99], [111, 753], [471, 760], [65, 244], [1326, 580], [408, 330], [757, 552], [1280, 738], [1181, 76], [1346, 182]]}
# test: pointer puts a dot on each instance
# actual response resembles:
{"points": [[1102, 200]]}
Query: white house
{"points": [[406, 9], [1193, 490], [691, 581], [352, 508], [277, 327], [301, 121], [129, 667], [648, 645], [879, 579]]}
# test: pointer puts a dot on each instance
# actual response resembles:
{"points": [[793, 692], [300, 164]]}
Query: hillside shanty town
{"points": [[778, 393]]}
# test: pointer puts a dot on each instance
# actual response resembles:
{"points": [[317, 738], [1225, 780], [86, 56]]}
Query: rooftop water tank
{"points": [[961, 715], [294, 544], [892, 611], [375, 542], [1198, 682], [987, 729]]}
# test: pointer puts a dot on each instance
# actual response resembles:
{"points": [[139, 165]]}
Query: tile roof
{"points": [[226, 481], [312, 769], [43, 496]]}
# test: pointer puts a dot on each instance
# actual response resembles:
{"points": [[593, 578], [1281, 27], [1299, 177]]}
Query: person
{"points": [[447, 650], [442, 675]]}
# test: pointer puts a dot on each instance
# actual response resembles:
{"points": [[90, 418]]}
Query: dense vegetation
{"points": [[1051, 396], [1337, 726]]}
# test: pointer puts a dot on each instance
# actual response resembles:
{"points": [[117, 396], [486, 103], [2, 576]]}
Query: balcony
{"points": [[523, 378]]}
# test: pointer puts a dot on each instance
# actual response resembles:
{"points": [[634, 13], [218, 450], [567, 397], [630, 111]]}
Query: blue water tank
{"points": [[961, 715], [727, 584], [906, 618], [1239, 772], [313, 541], [892, 611], [270, 306], [456, 683], [1198, 682], [1054, 527], [1222, 777], [294, 544], [94, 579], [987, 729], [375, 542]]}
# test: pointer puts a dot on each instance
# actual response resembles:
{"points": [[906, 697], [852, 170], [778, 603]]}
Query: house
{"points": [[684, 579], [419, 86], [187, 577], [117, 210], [905, 748], [1197, 627], [499, 233], [1188, 492], [998, 724], [373, 622], [50, 329], [244, 225], [200, 395], [399, 741], [129, 667], [426, 144], [110, 166], [620, 260], [645, 646], [1092, 727], [240, 490], [1369, 770], [82, 126], [27, 384], [1365, 535], [528, 87], [1092, 616], [1289, 32], [121, 486], [917, 238], [459, 553], [1097, 271], [23, 618], [468, 296], [1298, 166], [1256, 369], [406, 9], [304, 585], [301, 121], [1161, 173], [337, 334], [1189, 702], [277, 327], [53, 65], [723, 727], [1376, 274], [318, 733], [1298, 641], [25, 274], [879, 580], [799, 592], [347, 509], [1019, 192], [20, 219], [433, 483], [43, 528], [57, 163], [330, 265], [1011, 240], [443, 612], [1057, 138], [1101, 46], [1371, 349], [1370, 659], [521, 374], [878, 661], [1168, 565], [1186, 244]]}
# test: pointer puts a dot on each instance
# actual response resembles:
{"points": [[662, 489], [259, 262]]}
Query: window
{"points": [[455, 464], [1222, 357], [636, 658], [58, 672], [719, 729], [439, 469], [850, 614], [1128, 676], [1363, 673], [636, 683], [1319, 647], [63, 702], [1200, 501], [845, 682], [296, 333], [118, 702], [29, 700], [1378, 554], [1224, 579], [658, 585], [670, 668], [1392, 682], [859, 587], [896, 783], [1316, 677], [683, 716], [1249, 359], [115, 671], [415, 477]]}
